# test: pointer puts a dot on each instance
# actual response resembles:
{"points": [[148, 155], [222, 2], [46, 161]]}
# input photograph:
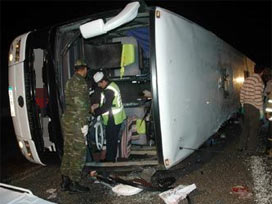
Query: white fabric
{"points": [[126, 190], [98, 76], [84, 130], [173, 196]]}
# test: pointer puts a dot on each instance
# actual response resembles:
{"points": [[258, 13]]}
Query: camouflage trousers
{"points": [[74, 154]]}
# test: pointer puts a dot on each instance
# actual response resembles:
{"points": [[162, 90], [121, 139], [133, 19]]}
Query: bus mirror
{"points": [[97, 27], [126, 15], [92, 29]]}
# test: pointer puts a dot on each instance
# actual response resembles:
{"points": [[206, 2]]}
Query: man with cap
{"points": [[74, 125], [112, 111]]}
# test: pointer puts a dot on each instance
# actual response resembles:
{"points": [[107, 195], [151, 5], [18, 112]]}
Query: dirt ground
{"points": [[214, 169]]}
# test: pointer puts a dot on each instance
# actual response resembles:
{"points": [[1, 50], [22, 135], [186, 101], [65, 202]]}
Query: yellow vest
{"points": [[117, 109]]}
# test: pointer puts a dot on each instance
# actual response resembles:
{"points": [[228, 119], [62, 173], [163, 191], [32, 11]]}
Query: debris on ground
{"points": [[174, 196], [242, 191], [126, 190], [52, 192], [147, 173]]}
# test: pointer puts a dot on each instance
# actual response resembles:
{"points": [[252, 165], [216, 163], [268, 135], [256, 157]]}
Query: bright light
{"points": [[269, 110], [10, 57], [21, 145], [239, 80]]}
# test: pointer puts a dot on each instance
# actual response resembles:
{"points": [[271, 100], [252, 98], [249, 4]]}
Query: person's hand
{"points": [[93, 107], [147, 94], [84, 130], [93, 173]]}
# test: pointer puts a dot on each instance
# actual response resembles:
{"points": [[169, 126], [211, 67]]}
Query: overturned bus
{"points": [[178, 81]]}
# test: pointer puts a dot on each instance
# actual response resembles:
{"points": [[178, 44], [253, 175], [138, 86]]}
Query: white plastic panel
{"points": [[20, 120], [126, 15], [93, 28], [16, 80], [12, 49], [11, 195], [189, 62]]}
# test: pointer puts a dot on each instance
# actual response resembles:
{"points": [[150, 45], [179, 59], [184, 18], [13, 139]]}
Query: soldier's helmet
{"points": [[80, 63]]}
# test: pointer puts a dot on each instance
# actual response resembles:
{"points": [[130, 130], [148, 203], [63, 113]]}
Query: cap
{"points": [[80, 63], [98, 77]]}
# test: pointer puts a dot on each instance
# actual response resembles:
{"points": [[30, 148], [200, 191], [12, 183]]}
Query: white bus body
{"points": [[194, 78]]}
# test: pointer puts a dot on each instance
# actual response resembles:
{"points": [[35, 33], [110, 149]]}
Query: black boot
{"points": [[75, 187], [65, 183]]}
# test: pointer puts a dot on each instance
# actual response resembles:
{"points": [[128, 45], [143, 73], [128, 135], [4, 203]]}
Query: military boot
{"points": [[75, 187], [65, 183]]}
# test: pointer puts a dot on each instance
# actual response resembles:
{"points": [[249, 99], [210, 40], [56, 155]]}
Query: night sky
{"points": [[246, 25]]}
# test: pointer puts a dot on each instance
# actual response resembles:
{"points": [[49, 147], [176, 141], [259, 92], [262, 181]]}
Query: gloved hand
{"points": [[84, 130], [261, 115]]}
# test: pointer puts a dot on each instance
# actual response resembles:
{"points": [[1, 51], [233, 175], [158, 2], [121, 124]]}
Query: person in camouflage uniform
{"points": [[74, 124]]}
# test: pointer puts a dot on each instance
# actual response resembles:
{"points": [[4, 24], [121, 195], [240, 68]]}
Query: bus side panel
{"points": [[190, 68]]}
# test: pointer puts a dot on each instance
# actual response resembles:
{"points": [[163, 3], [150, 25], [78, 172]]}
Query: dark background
{"points": [[246, 25]]}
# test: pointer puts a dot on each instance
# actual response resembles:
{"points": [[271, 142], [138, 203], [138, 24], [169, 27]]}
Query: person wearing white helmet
{"points": [[112, 111]]}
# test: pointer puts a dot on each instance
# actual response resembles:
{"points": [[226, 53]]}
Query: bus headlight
{"points": [[21, 144], [10, 57], [17, 51]]}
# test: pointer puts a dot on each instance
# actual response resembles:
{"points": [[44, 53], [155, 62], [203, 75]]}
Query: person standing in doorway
{"points": [[112, 111], [251, 99], [74, 124]]}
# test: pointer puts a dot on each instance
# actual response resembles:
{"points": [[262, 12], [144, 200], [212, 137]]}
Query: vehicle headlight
{"points": [[17, 51], [10, 57], [21, 144]]}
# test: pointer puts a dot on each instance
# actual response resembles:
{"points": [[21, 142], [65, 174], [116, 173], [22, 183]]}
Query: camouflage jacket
{"points": [[77, 103]]}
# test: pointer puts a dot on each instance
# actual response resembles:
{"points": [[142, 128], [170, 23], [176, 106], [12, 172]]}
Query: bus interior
{"points": [[124, 55]]}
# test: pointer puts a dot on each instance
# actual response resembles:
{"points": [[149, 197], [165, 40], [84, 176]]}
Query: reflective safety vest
{"points": [[117, 108], [268, 108]]}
